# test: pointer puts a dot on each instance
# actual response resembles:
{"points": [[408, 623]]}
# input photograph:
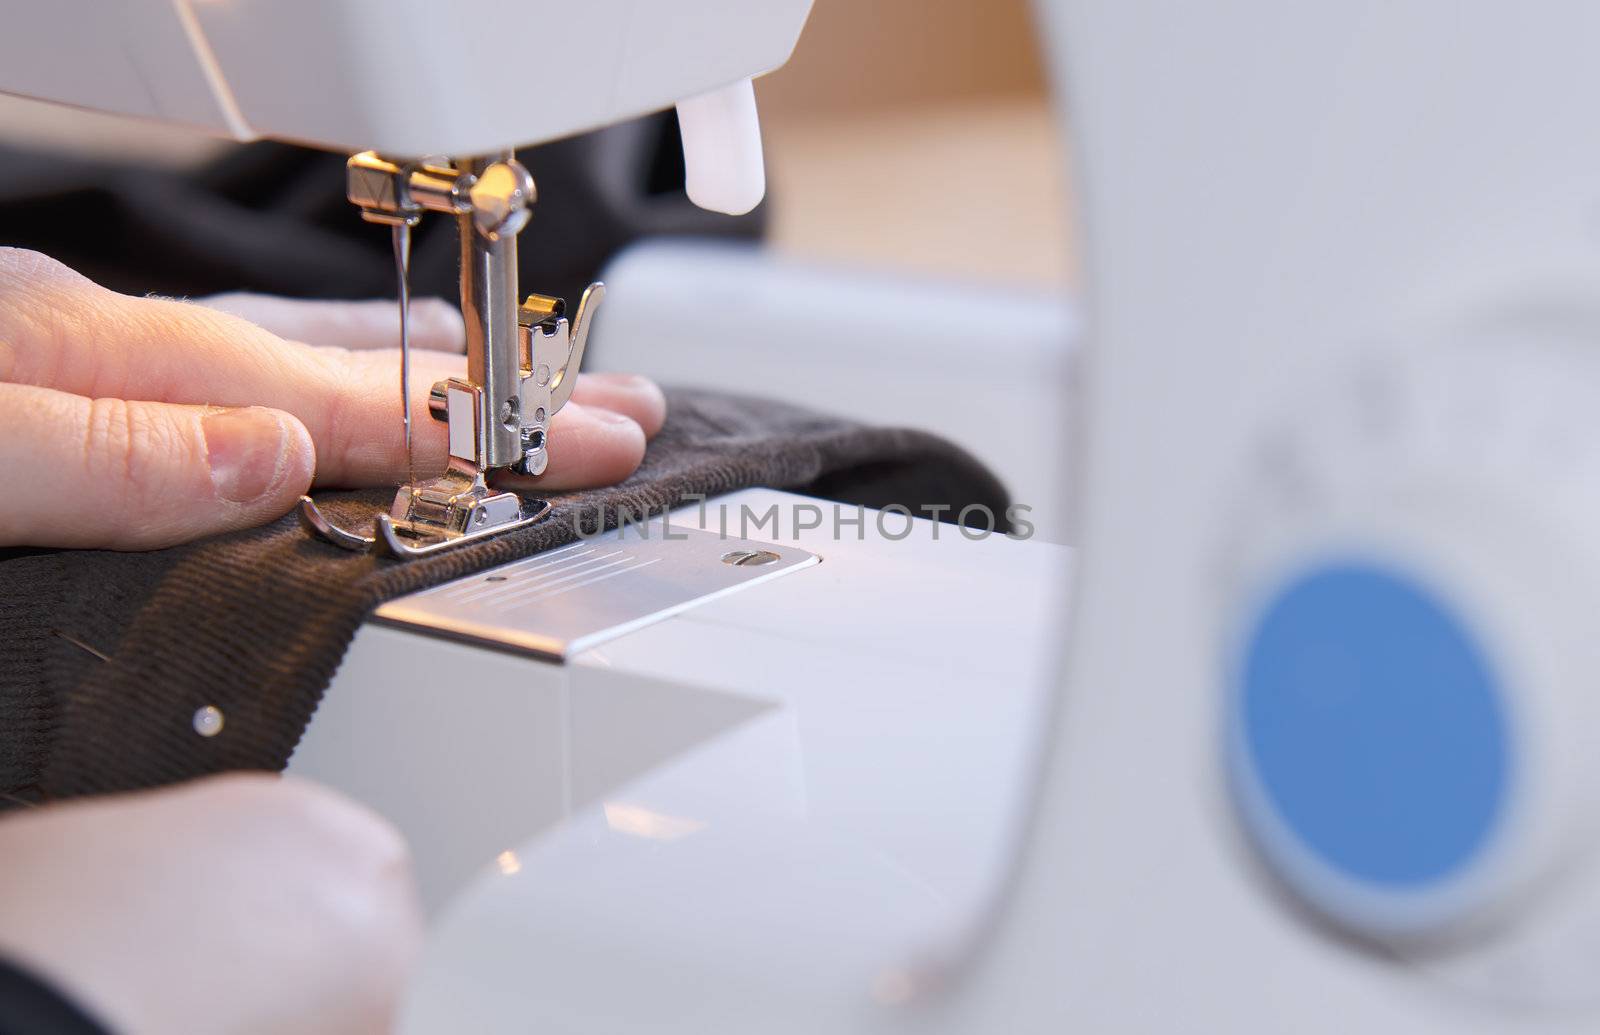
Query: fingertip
{"points": [[599, 447], [300, 457], [653, 404], [259, 458], [639, 398]]}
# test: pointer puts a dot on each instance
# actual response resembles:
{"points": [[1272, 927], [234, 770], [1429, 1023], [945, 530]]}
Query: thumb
{"points": [[137, 475]]}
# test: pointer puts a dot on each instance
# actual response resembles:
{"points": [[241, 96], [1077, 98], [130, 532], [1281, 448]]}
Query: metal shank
{"points": [[489, 309]]}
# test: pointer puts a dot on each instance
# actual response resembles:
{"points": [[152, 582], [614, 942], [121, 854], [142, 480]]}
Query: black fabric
{"points": [[257, 622], [29, 1006], [273, 218]]}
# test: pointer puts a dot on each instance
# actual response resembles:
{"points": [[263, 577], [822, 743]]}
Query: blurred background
{"points": [[918, 136]]}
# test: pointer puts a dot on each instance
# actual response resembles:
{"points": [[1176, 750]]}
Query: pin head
{"points": [[208, 720]]}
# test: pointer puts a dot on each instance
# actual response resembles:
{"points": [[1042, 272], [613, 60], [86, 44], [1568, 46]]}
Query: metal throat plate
{"points": [[560, 602]]}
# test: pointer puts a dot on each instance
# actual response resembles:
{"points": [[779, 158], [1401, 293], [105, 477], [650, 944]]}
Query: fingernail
{"points": [[244, 448]]}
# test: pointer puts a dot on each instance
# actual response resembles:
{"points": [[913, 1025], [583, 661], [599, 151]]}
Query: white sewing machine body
{"points": [[1323, 758], [824, 712], [1342, 308], [402, 77]]}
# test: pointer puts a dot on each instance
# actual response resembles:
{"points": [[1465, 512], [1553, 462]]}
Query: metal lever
{"points": [[552, 354], [593, 295]]}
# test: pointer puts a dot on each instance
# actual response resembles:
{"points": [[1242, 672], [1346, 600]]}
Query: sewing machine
{"points": [[1322, 758]]}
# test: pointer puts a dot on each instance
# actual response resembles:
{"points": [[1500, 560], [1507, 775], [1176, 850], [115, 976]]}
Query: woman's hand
{"points": [[134, 423]]}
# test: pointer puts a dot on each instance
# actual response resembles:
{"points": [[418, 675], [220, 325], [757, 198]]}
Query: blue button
{"points": [[1373, 726]]}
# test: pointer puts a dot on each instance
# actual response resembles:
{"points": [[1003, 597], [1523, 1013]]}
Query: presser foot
{"points": [[430, 518]]}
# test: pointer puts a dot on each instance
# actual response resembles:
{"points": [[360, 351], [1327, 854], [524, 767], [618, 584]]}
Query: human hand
{"points": [[135, 423], [235, 905]]}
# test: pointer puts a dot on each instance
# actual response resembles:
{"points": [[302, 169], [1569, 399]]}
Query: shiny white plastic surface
{"points": [[146, 58], [405, 77], [722, 161], [1272, 190], [832, 851], [991, 367]]}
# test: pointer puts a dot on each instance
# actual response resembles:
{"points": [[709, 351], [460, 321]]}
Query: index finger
{"points": [[69, 334]]}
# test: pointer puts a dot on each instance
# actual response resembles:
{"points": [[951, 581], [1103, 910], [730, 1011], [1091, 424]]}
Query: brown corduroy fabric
{"points": [[257, 622]]}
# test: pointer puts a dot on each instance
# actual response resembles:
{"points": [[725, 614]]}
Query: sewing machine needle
{"points": [[402, 265]]}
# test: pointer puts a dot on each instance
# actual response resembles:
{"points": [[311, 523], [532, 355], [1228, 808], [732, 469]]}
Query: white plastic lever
{"points": [[722, 165]]}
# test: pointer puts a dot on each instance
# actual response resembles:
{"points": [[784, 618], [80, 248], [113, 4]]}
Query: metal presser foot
{"points": [[413, 528], [522, 360]]}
